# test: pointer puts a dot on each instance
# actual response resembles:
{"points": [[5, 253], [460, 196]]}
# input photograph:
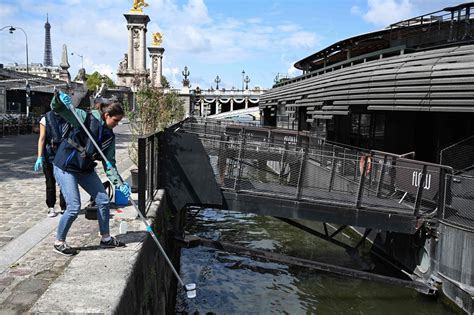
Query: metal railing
{"points": [[300, 166], [147, 170], [16, 125], [460, 155]]}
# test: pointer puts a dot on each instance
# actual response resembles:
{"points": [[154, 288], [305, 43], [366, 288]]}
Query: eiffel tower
{"points": [[48, 53]]}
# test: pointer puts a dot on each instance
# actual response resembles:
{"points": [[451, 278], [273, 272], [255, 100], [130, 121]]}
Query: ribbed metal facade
{"points": [[437, 80]]}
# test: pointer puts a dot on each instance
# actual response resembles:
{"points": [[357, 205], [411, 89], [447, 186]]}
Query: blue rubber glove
{"points": [[39, 164], [66, 99], [125, 189]]}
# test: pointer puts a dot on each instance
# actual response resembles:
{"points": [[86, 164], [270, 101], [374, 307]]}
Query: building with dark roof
{"points": [[409, 87]]}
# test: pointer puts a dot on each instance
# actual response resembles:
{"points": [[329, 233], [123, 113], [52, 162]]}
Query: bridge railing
{"points": [[306, 168]]}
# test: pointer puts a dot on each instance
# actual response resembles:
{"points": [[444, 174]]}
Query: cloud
{"points": [[292, 71], [173, 76], [103, 68], [386, 12], [7, 10], [356, 10], [301, 40], [289, 28]]}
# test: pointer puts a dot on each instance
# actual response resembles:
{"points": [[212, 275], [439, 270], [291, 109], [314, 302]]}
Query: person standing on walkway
{"points": [[74, 166], [53, 129]]}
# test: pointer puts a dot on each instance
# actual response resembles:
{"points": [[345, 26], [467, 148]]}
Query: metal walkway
{"points": [[294, 175]]}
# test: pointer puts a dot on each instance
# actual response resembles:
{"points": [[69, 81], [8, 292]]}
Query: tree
{"points": [[94, 80], [153, 112], [164, 82]]}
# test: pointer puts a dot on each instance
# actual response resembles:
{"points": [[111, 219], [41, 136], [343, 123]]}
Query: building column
{"points": [[130, 48], [142, 48], [156, 70]]}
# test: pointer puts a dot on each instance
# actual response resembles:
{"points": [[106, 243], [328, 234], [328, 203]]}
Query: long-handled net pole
{"points": [[190, 288]]}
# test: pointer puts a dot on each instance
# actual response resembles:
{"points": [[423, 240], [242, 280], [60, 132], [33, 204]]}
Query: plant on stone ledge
{"points": [[154, 110]]}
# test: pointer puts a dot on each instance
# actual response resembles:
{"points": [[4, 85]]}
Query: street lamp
{"points": [[11, 30], [82, 59], [243, 75]]}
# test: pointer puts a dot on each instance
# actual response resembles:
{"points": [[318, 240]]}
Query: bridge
{"points": [[221, 104], [297, 176], [251, 113]]}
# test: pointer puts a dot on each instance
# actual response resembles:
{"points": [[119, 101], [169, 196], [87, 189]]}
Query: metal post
{"points": [[28, 98], [299, 186], [381, 178], [360, 190], [241, 156], [142, 175], [419, 193], [333, 170], [442, 191], [151, 168], [156, 141]]}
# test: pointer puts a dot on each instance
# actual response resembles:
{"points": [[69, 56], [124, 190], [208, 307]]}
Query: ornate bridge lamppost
{"points": [[186, 74], [217, 80], [247, 80], [243, 75], [11, 30]]}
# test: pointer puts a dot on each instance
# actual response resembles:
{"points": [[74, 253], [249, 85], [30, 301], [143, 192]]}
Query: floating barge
{"points": [[409, 90]]}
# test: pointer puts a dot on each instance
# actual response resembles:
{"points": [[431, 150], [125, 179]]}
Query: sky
{"points": [[264, 38]]}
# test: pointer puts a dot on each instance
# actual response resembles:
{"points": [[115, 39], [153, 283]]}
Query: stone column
{"points": [[156, 70], [130, 47], [136, 61], [143, 51], [231, 104], [246, 102]]}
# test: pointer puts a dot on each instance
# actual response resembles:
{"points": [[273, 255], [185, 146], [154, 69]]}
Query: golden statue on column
{"points": [[138, 5], [157, 38]]}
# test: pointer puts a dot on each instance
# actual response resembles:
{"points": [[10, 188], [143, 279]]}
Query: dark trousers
{"points": [[51, 187]]}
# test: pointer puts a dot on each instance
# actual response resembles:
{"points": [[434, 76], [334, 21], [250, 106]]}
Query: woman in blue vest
{"points": [[53, 129], [74, 166]]}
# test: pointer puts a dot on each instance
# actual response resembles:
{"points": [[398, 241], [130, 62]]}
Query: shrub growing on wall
{"points": [[154, 110]]}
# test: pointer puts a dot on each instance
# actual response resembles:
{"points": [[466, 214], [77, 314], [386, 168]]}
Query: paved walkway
{"points": [[28, 266]]}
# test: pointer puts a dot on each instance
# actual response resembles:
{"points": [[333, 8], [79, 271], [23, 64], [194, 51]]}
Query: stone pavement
{"points": [[30, 272]]}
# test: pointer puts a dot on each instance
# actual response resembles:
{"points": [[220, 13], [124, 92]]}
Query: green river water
{"points": [[233, 284]]}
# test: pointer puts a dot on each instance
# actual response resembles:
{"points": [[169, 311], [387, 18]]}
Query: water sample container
{"points": [[120, 199], [123, 227]]}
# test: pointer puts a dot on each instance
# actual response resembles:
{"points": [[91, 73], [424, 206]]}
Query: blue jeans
{"points": [[91, 183]]}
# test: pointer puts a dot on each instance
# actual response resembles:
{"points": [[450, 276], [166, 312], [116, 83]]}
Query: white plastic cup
{"points": [[123, 227], [191, 290]]}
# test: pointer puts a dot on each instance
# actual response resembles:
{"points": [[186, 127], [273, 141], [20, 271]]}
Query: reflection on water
{"points": [[232, 284]]}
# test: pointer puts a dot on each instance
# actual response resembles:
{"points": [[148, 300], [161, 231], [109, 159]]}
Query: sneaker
{"points": [[51, 213], [65, 249], [113, 242]]}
